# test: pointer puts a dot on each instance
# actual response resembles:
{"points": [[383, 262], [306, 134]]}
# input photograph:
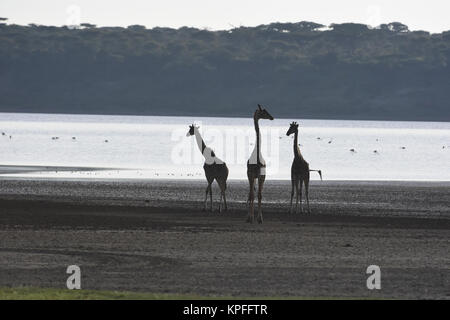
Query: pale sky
{"points": [[430, 15]]}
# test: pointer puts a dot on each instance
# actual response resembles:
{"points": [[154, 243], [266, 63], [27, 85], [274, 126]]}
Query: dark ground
{"points": [[152, 236]]}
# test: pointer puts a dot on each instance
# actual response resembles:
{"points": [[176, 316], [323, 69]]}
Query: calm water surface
{"points": [[157, 147]]}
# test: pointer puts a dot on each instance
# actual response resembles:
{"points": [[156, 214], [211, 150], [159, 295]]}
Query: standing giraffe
{"points": [[215, 169], [299, 171], [256, 167]]}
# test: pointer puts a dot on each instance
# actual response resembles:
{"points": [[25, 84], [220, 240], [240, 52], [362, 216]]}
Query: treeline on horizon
{"points": [[299, 70]]}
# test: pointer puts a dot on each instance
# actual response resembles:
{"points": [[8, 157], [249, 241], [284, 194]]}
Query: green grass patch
{"points": [[31, 293]]}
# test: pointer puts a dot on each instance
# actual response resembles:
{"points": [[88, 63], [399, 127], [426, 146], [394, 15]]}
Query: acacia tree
{"points": [[88, 25], [136, 27], [396, 27]]}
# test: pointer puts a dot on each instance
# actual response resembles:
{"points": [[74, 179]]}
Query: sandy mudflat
{"points": [[152, 236]]}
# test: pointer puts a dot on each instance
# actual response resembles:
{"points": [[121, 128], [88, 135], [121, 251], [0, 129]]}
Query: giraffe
{"points": [[299, 171], [256, 167], [215, 169]]}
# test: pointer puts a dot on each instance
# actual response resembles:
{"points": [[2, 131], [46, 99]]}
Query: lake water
{"points": [[157, 147]]}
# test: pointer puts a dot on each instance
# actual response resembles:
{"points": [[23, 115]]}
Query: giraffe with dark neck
{"points": [[256, 167], [300, 172]]}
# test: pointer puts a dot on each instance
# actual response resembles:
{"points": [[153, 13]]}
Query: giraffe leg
{"points": [[300, 195], [210, 198], [296, 195], [225, 201], [251, 198], [223, 187], [206, 195], [220, 202], [307, 194], [292, 193], [261, 180]]}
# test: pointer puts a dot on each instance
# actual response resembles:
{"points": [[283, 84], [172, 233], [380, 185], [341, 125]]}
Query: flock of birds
{"points": [[54, 137], [330, 140], [75, 138], [352, 150]]}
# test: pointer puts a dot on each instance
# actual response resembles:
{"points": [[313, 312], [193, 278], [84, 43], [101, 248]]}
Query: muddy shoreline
{"points": [[153, 236]]}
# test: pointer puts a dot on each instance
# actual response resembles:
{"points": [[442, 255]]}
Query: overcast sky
{"points": [[430, 15]]}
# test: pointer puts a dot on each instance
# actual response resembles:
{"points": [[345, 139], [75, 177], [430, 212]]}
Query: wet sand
{"points": [[153, 236]]}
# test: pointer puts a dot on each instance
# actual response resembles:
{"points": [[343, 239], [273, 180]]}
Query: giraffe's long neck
{"points": [[200, 143], [297, 153], [258, 139]]}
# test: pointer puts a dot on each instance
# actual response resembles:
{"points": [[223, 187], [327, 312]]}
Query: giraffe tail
{"points": [[319, 172]]}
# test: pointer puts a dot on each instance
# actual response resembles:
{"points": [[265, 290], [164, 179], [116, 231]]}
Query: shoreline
{"points": [[18, 169], [13, 172], [223, 116], [371, 198]]}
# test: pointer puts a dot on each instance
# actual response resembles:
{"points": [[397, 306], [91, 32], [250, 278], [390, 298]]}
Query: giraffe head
{"points": [[292, 129], [261, 113], [191, 132]]}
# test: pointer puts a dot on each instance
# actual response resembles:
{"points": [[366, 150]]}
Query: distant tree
{"points": [[304, 26], [350, 28], [3, 19], [279, 27], [136, 27], [421, 33], [308, 26], [88, 25], [203, 35], [395, 27], [446, 35], [185, 28]]}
